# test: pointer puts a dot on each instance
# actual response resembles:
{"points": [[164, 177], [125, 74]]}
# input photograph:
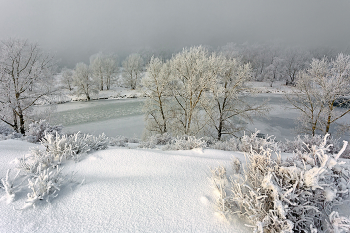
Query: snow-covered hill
{"points": [[125, 190]]}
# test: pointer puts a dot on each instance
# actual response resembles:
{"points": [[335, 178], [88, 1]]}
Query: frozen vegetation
{"points": [[185, 156]]}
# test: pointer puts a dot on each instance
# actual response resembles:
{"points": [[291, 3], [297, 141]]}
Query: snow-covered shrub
{"points": [[5, 129], [118, 141], [7, 132], [44, 185], [37, 130], [11, 188], [42, 166], [100, 142], [338, 223], [60, 148], [256, 142], [154, 140], [40, 158], [185, 143], [302, 143], [133, 140], [230, 145], [296, 195]]}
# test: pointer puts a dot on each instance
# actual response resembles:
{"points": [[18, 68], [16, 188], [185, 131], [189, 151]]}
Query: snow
{"points": [[125, 190]]}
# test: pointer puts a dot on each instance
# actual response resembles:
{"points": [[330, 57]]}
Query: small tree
{"points": [[84, 81], [67, 78], [274, 71], [26, 76], [132, 70], [295, 60], [96, 66], [110, 69], [104, 68], [317, 91]]}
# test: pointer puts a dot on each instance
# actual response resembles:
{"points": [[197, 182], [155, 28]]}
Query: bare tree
{"points": [[84, 82], [26, 75], [132, 70]]}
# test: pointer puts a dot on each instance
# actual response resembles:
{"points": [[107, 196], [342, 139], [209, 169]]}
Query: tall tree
{"points": [[26, 75], [226, 106], [155, 87], [193, 72]]}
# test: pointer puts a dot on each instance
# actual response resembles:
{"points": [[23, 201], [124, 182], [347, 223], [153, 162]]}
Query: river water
{"points": [[125, 117]]}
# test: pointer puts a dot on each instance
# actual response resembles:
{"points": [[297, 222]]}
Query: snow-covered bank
{"points": [[125, 190]]}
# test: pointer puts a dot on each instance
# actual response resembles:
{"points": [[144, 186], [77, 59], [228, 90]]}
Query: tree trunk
{"points": [[21, 122], [15, 123]]}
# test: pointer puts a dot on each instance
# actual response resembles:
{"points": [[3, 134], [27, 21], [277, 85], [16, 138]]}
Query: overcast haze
{"points": [[74, 29]]}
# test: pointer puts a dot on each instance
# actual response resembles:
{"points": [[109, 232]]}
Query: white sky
{"points": [[75, 29]]}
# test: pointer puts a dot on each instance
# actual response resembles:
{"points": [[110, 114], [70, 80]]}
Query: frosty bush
{"points": [[185, 143], [5, 129], [154, 140], [230, 145], [100, 142], [10, 186], [37, 130], [302, 143], [7, 132], [44, 185], [296, 195], [118, 141], [42, 167], [257, 143]]}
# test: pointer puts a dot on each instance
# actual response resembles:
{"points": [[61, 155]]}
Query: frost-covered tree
{"points": [[104, 68], [132, 70], [317, 92], [26, 76], [67, 78], [96, 66], [295, 60], [193, 72], [84, 82], [155, 87], [226, 106], [110, 69], [274, 71]]}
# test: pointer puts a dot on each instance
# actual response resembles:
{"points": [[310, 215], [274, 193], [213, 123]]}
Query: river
{"points": [[125, 117]]}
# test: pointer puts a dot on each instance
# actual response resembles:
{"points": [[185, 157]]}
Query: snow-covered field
{"points": [[134, 190], [125, 190]]}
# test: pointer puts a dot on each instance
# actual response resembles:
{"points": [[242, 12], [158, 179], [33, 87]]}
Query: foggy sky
{"points": [[76, 29]]}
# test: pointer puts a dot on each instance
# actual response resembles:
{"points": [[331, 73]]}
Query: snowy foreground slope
{"points": [[125, 190]]}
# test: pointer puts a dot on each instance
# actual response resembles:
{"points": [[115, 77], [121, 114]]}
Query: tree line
{"points": [[196, 91]]}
